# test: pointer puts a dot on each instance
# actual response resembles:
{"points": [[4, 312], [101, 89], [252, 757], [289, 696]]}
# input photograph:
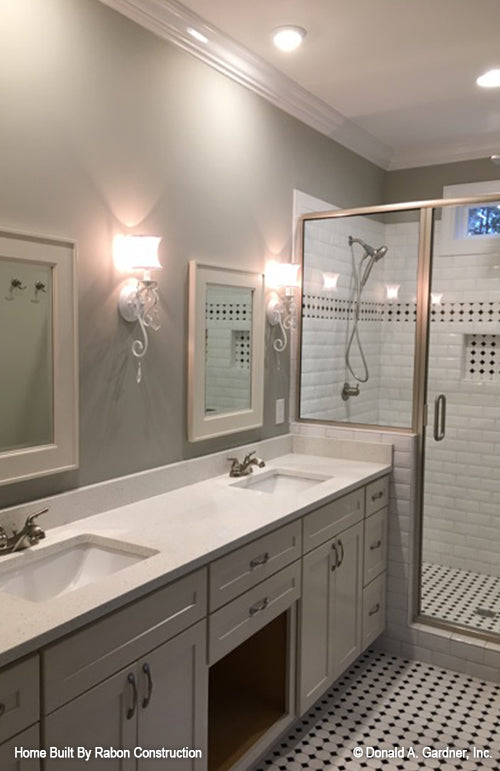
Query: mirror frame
{"points": [[200, 424], [62, 453]]}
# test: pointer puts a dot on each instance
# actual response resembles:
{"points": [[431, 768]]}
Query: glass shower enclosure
{"points": [[400, 331]]}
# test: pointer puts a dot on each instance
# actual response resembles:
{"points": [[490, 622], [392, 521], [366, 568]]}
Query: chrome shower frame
{"points": [[419, 391]]}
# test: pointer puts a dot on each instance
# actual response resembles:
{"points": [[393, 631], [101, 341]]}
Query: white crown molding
{"points": [[169, 20], [468, 149]]}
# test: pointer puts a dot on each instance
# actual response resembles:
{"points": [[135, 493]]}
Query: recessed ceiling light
{"points": [[197, 35], [490, 79], [288, 38]]}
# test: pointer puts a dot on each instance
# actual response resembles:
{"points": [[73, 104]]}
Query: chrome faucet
{"points": [[244, 467], [30, 535]]}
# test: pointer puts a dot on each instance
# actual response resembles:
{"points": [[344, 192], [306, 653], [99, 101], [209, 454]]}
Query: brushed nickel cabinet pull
{"points": [[336, 562], [341, 559], [147, 671], [375, 610], [376, 496], [259, 606], [131, 710], [261, 560], [376, 545]]}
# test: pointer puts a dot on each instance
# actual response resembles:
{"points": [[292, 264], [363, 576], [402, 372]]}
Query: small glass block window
{"points": [[483, 221]]}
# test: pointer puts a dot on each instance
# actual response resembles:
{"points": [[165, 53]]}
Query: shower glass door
{"points": [[358, 321], [460, 580]]}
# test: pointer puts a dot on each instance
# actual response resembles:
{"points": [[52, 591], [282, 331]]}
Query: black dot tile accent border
{"points": [[324, 306]]}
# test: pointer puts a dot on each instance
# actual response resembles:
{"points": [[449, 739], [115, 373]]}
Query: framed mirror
{"points": [[226, 351], [38, 372]]}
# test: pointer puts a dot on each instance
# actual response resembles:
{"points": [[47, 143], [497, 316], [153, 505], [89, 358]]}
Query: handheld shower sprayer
{"points": [[360, 275]]}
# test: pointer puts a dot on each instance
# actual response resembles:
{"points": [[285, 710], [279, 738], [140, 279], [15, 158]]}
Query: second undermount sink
{"points": [[281, 481], [40, 574]]}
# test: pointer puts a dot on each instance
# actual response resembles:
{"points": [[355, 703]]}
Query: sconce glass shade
{"points": [[136, 252], [282, 274]]}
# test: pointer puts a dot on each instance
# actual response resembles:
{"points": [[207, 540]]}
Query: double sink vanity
{"points": [[207, 618]]}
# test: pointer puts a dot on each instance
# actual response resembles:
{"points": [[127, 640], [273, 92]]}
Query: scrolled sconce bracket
{"points": [[131, 303], [139, 302], [275, 311]]}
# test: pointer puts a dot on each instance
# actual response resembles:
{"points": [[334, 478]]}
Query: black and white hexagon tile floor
{"points": [[385, 702]]}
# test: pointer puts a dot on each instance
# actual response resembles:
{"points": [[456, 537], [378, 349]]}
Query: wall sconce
{"points": [[330, 280], [282, 279], [139, 299], [436, 298], [392, 291]]}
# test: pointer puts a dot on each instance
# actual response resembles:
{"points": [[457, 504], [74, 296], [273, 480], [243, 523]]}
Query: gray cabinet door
{"points": [[331, 612], [348, 598], [175, 678], [29, 740], [105, 716], [316, 620]]}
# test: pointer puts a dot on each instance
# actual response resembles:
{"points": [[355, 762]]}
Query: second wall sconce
{"points": [[139, 299], [282, 279]]}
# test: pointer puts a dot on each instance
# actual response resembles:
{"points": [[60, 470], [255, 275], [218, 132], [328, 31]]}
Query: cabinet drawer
{"points": [[237, 621], [237, 572], [375, 545], [377, 495], [332, 518], [29, 740], [373, 610], [79, 661], [19, 697]]}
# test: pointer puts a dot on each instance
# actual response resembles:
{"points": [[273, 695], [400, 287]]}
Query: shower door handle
{"points": [[439, 417]]}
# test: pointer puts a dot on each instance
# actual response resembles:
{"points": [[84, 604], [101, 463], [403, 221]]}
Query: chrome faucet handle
{"points": [[248, 457], [235, 467], [31, 517]]}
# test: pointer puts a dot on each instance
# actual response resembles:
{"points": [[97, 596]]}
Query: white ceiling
{"points": [[392, 79]]}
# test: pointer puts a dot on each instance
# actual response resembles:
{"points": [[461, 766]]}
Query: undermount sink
{"points": [[281, 481], [68, 565]]}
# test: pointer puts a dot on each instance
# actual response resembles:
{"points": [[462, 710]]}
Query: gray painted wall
{"points": [[105, 127], [426, 182]]}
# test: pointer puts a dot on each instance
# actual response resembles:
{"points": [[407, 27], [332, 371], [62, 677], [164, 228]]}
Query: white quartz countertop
{"points": [[188, 527]]}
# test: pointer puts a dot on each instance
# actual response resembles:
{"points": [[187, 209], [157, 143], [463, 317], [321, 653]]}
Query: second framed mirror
{"points": [[226, 351]]}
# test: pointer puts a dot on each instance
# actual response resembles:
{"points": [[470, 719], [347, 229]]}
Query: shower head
{"points": [[376, 254], [371, 255], [380, 252]]}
